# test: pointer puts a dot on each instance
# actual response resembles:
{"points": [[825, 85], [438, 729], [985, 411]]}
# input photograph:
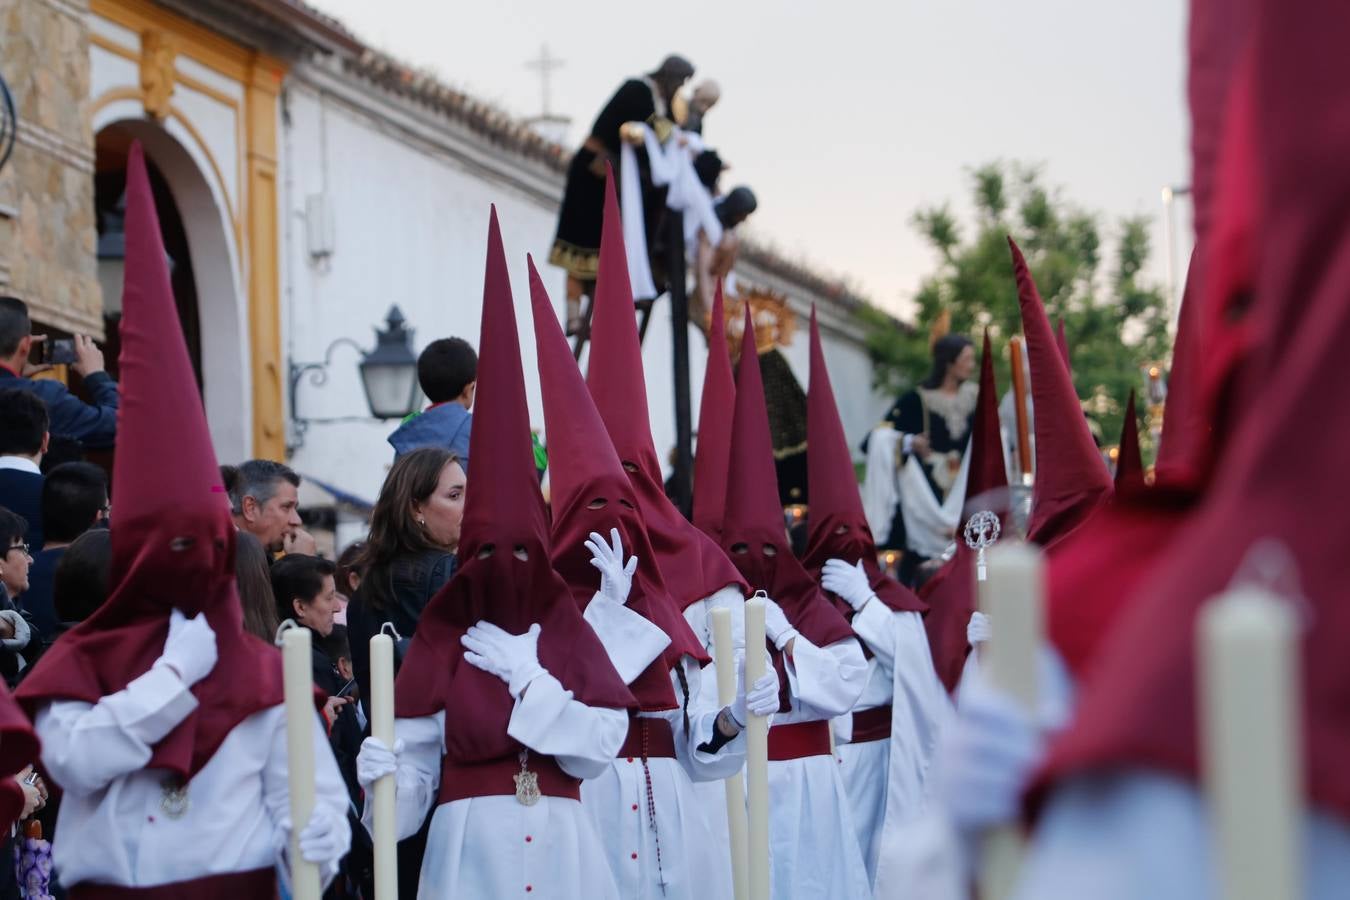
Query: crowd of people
{"points": [[559, 726]]}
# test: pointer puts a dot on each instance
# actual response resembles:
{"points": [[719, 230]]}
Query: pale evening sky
{"points": [[847, 115]]}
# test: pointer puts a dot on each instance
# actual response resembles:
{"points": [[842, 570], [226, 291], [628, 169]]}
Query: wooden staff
{"points": [[1250, 747], [298, 678], [1011, 597], [1019, 386], [382, 729], [757, 756], [725, 659]]}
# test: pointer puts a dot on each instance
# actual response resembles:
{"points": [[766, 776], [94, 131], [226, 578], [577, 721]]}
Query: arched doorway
{"points": [[200, 234]]}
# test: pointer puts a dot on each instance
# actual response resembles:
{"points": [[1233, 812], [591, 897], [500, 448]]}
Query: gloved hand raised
{"points": [[760, 700], [190, 648], [514, 658], [376, 760], [850, 583], [616, 579], [776, 626]]}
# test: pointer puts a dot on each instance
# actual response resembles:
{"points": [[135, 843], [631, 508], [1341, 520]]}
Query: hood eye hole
{"points": [[770, 550], [842, 529], [598, 503], [521, 553], [629, 467], [626, 505], [741, 548], [485, 551], [179, 544]]}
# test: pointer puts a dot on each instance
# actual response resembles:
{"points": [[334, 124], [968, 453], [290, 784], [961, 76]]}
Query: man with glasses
{"points": [[74, 499], [15, 632]]}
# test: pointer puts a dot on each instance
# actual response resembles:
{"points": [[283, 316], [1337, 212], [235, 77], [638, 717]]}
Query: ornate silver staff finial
{"points": [[981, 532]]}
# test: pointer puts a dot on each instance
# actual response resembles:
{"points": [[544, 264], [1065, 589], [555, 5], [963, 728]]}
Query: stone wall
{"points": [[47, 228]]}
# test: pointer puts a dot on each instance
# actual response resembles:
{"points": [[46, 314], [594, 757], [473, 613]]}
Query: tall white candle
{"points": [[1250, 742], [382, 728], [1012, 598], [298, 677], [757, 757], [724, 656]]}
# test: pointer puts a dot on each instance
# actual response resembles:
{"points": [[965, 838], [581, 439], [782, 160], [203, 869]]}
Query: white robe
{"points": [[691, 865], [1130, 833], [494, 846], [112, 828], [887, 780], [813, 846]]}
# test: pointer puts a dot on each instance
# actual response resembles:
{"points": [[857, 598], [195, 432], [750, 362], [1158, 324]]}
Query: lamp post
{"points": [[388, 376]]}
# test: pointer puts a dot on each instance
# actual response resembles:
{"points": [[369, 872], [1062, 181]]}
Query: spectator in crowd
{"points": [[74, 499], [23, 441], [80, 583], [414, 531], [305, 592], [305, 589], [265, 501], [448, 372], [15, 632], [348, 578], [94, 425], [408, 557], [255, 588]]}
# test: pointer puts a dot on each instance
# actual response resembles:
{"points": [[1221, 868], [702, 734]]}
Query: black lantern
{"points": [[389, 372], [388, 376]]}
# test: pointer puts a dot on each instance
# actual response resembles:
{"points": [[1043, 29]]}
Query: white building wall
{"points": [[408, 196]]}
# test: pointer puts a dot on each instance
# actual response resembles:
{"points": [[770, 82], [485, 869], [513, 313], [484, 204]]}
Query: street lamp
{"points": [[388, 376]]}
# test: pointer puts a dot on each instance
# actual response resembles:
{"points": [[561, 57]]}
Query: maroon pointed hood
{"points": [[692, 564], [504, 519], [837, 525], [951, 592], [755, 531], [1256, 507], [172, 538], [1184, 430], [1070, 478], [714, 427], [1062, 344], [1129, 461], [590, 492]]}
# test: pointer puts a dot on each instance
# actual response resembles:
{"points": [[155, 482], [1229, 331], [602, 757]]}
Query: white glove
{"points": [[979, 629], [776, 626], [326, 838], [376, 761], [993, 745], [850, 583], [190, 648], [514, 658], [616, 579], [760, 700]]}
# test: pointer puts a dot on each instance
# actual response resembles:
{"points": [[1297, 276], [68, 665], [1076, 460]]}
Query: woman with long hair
{"points": [[255, 587], [933, 423], [414, 531]]}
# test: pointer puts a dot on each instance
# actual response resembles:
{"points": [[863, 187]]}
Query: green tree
{"points": [[1115, 322]]}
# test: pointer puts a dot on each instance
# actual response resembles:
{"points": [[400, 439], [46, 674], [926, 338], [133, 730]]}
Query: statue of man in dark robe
{"points": [[576, 246]]}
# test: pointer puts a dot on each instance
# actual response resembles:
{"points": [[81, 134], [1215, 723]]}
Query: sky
{"points": [[846, 116]]}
